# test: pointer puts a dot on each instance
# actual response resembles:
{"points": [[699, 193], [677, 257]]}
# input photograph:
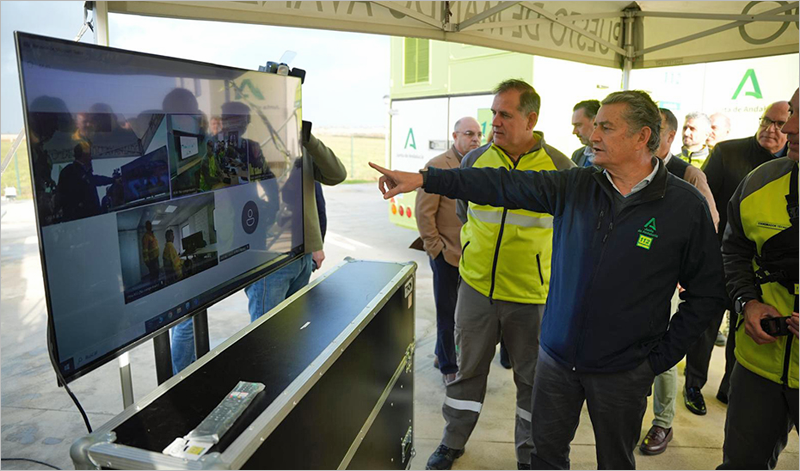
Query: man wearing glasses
{"points": [[726, 167], [439, 229]]}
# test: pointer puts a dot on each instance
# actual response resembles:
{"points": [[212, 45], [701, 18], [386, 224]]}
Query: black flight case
{"points": [[336, 359]]}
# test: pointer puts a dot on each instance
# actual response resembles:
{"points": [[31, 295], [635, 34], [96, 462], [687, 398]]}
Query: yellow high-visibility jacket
{"points": [[757, 212], [506, 253]]}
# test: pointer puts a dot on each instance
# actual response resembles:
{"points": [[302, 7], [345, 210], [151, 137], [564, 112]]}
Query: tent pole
{"points": [[100, 17], [628, 63]]}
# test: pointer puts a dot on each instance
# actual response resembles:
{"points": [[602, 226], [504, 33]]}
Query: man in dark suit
{"points": [[582, 126]]}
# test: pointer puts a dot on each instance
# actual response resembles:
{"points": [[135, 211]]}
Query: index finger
{"points": [[377, 167]]}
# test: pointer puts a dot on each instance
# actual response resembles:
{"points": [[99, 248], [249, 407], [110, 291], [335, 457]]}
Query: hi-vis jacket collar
{"points": [[536, 146]]}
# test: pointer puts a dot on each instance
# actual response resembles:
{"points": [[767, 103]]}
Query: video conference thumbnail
{"points": [[166, 243], [93, 163], [211, 156]]}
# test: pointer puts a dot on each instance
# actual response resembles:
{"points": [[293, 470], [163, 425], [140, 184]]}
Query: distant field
{"points": [[364, 150], [10, 175]]}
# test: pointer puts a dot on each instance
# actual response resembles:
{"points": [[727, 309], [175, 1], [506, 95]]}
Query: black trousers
{"points": [[730, 357], [445, 295], [698, 356], [760, 415], [616, 403]]}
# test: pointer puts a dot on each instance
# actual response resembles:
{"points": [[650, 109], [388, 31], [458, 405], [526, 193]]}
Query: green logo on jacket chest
{"points": [[647, 234]]}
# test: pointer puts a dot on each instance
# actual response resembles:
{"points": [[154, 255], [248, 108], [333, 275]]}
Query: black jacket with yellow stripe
{"points": [[757, 212]]}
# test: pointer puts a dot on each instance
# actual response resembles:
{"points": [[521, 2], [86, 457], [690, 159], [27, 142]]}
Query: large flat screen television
{"points": [[135, 155]]}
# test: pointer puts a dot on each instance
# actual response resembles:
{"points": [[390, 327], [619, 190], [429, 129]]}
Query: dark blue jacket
{"points": [[613, 276]]}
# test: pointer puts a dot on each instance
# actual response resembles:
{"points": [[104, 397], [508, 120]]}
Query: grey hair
{"points": [[697, 116], [641, 112], [529, 100], [724, 117]]}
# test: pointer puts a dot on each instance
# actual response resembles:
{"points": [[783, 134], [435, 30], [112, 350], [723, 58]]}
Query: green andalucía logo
{"points": [[750, 76], [647, 234], [410, 140]]}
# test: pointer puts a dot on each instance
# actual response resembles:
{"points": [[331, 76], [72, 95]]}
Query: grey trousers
{"points": [[616, 403], [665, 387], [665, 390], [479, 326], [760, 415]]}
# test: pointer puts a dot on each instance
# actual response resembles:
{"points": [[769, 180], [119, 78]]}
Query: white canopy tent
{"points": [[626, 35]]}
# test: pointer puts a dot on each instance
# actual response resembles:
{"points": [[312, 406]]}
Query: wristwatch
{"points": [[738, 304]]}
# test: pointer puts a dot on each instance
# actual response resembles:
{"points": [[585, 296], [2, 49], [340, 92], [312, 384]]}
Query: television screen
{"points": [[161, 186], [188, 146]]}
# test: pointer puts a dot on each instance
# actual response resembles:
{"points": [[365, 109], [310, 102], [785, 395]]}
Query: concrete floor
{"points": [[39, 420]]}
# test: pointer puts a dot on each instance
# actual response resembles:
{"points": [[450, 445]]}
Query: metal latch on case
{"points": [[410, 356], [405, 446]]}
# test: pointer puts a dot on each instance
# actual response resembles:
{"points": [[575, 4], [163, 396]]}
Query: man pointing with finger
{"points": [[625, 224]]}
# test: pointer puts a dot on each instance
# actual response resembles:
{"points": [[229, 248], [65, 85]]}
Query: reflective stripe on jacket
{"points": [[757, 211], [506, 253]]}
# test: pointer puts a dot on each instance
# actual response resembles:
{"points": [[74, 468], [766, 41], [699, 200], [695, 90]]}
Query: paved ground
{"points": [[39, 421]]}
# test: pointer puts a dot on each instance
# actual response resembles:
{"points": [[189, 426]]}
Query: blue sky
{"points": [[347, 73]]}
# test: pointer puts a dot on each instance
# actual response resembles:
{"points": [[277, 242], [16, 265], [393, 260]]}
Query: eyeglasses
{"points": [[766, 122], [470, 134]]}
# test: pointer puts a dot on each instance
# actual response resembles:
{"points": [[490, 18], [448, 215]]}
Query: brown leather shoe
{"points": [[656, 440]]}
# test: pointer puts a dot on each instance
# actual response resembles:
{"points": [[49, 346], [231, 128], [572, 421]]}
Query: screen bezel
{"points": [[219, 292]]}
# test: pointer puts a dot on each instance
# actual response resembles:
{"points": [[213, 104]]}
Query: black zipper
{"points": [[497, 251], [591, 282], [539, 265], [786, 360], [500, 233]]}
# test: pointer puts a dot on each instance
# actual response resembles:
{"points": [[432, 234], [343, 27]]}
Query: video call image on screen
{"points": [[165, 243], [159, 185], [95, 162], [206, 158]]}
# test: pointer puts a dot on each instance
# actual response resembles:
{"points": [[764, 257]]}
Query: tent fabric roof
{"points": [[659, 33]]}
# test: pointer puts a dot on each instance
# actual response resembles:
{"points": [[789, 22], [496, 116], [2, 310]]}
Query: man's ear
{"points": [[533, 118], [643, 137], [454, 136]]}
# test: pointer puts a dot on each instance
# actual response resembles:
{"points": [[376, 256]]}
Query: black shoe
{"points": [[504, 357], [694, 401], [443, 458], [722, 397], [523, 465]]}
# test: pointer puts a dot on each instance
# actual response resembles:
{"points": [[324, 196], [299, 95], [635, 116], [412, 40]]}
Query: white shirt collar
{"points": [[637, 187]]}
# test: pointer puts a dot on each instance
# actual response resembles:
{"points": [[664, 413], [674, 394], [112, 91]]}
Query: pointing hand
{"points": [[394, 182]]}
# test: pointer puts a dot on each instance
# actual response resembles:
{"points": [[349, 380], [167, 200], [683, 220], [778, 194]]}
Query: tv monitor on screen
{"points": [[189, 146], [194, 242], [127, 159]]}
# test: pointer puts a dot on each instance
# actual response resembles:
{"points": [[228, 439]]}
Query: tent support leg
{"points": [[628, 64]]}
